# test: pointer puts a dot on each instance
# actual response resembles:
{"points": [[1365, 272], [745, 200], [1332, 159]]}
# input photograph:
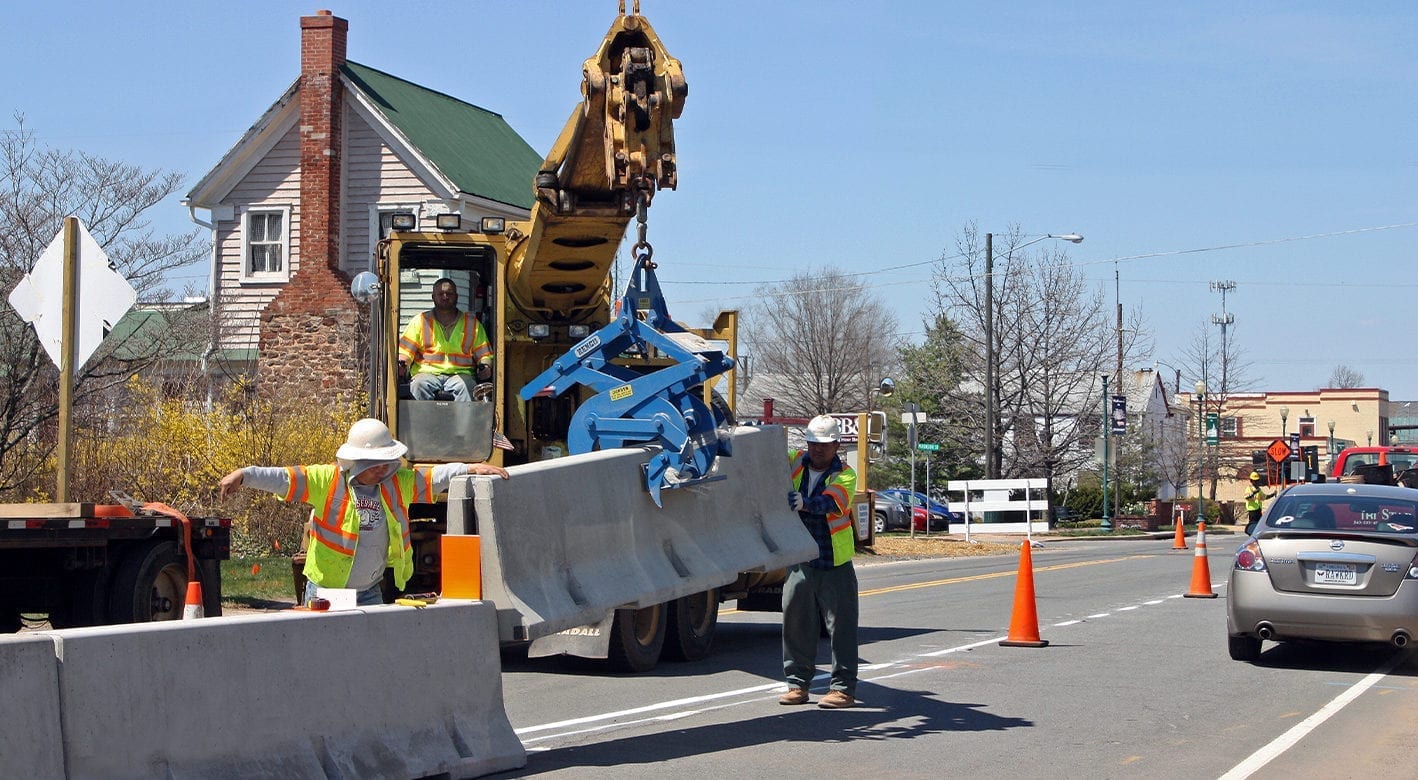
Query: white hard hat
{"points": [[822, 429], [370, 439]]}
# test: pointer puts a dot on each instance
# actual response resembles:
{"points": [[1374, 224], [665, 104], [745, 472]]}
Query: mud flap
{"points": [[589, 641]]}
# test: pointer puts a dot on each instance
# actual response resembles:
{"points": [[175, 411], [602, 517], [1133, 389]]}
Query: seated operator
{"points": [[441, 347]]}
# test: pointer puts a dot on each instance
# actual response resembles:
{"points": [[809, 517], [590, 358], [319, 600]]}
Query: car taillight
{"points": [[1248, 558], [1412, 569]]}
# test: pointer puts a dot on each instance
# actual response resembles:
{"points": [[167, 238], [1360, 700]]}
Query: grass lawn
{"points": [[258, 582]]}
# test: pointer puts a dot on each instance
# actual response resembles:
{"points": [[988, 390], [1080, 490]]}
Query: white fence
{"points": [[978, 496]]}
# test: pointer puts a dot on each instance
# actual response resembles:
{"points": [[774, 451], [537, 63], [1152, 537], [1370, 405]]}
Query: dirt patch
{"points": [[892, 546]]}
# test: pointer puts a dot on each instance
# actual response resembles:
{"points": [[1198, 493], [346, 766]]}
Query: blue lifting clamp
{"points": [[662, 406]]}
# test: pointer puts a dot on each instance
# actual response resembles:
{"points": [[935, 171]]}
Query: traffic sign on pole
{"points": [[927, 447]]}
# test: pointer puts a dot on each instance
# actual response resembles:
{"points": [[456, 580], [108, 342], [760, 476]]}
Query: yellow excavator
{"points": [[579, 368]]}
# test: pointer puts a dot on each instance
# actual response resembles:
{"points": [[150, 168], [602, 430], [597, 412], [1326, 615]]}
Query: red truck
{"points": [[1387, 462]]}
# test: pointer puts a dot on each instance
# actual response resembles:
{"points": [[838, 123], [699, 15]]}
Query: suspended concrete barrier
{"points": [[560, 551]]}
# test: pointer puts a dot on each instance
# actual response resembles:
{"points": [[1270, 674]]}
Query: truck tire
{"points": [[878, 522], [692, 622], [149, 584], [637, 637], [84, 600]]}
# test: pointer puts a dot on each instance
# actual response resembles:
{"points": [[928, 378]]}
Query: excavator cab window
{"points": [[437, 430]]}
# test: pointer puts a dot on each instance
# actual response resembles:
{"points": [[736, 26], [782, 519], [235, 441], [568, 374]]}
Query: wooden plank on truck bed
{"points": [[46, 510]]}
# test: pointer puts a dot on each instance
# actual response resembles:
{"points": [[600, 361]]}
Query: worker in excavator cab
{"points": [[440, 349], [821, 494]]}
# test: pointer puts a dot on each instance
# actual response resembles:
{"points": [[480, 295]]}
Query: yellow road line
{"points": [[994, 575], [977, 577]]}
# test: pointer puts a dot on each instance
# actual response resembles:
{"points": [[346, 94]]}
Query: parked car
{"points": [[940, 515], [1328, 561], [892, 513]]}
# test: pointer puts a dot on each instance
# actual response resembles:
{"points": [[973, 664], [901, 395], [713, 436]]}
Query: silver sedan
{"points": [[1334, 562]]}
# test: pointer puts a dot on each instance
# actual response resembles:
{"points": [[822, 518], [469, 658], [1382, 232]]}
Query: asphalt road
{"points": [[1135, 682]]}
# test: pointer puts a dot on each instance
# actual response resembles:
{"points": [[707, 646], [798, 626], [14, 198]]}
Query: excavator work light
{"points": [[493, 225], [402, 221], [578, 331], [449, 221], [539, 330]]}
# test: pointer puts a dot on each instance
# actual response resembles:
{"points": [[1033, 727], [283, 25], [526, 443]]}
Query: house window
{"points": [[1230, 428], [1307, 427], [265, 244]]}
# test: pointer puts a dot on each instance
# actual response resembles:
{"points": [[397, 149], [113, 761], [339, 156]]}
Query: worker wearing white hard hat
{"points": [[821, 493], [360, 525]]}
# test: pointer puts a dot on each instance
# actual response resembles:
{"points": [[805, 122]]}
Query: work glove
{"points": [[795, 501]]}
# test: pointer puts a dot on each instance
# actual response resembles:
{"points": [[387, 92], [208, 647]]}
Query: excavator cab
{"points": [[440, 430]]}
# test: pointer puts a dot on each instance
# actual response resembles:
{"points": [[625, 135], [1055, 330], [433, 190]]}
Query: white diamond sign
{"points": [[104, 296]]}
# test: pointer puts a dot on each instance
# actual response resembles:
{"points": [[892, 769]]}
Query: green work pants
{"points": [[832, 594]]}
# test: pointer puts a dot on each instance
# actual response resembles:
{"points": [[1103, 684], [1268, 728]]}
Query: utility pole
{"points": [[1117, 296], [990, 471]]}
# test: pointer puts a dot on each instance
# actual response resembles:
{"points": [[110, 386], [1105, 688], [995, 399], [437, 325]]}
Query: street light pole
{"points": [[1329, 452], [992, 454], [1107, 522], [1200, 389], [1284, 415]]}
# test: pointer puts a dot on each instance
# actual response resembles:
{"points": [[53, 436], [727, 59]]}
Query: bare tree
{"points": [[820, 342], [1345, 377], [39, 186], [1225, 369], [1053, 339]]}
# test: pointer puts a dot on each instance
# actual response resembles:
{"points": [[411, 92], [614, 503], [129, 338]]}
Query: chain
{"points": [[642, 251]]}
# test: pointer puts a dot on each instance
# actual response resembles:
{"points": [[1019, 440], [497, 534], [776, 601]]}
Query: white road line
{"points": [[1284, 742], [609, 720]]}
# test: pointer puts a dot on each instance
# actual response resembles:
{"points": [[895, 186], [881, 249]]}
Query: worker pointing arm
{"points": [[361, 521]]}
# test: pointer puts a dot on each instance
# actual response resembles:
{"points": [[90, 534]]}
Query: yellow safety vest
{"points": [[439, 350], [335, 530], [840, 487], [1255, 499]]}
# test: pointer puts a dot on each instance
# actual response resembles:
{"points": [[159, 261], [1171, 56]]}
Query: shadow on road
{"points": [[886, 714]]}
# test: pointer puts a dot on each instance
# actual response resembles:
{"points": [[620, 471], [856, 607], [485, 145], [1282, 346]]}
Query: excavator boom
{"points": [[616, 149]]}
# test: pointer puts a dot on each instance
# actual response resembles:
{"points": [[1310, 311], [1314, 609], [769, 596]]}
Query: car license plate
{"points": [[1335, 574]]}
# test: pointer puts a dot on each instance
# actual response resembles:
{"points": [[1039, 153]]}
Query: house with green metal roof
{"points": [[299, 204]]}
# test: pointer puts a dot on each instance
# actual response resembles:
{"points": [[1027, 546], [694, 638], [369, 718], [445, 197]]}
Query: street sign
{"points": [[1278, 451], [104, 296], [927, 447], [1213, 428]]}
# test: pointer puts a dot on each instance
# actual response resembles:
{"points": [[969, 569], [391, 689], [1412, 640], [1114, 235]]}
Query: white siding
{"points": [[374, 174], [274, 180]]}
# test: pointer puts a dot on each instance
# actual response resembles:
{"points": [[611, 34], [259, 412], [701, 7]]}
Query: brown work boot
{"points": [[836, 700], [794, 696]]}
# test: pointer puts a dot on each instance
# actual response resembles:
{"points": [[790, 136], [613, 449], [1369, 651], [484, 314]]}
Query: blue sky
{"points": [[1274, 144]]}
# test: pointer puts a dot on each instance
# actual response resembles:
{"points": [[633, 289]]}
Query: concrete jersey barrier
{"points": [[30, 739], [566, 541], [378, 692]]}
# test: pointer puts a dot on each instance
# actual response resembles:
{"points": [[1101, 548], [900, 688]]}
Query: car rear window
{"points": [[1344, 513]]}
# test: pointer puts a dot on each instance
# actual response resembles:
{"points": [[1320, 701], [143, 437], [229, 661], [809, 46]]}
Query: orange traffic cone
{"points": [[192, 607], [1201, 572], [1024, 622], [1180, 521]]}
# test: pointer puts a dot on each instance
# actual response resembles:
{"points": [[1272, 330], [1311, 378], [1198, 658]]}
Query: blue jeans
{"points": [[831, 593], [370, 596], [425, 387]]}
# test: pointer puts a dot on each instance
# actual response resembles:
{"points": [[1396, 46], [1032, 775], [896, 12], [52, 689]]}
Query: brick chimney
{"points": [[322, 52], [310, 340]]}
